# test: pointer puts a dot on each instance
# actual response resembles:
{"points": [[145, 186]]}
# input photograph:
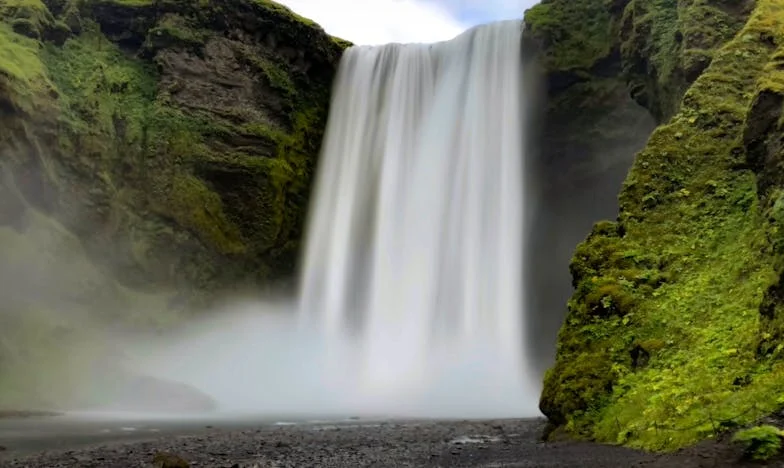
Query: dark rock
{"points": [[168, 460], [762, 140]]}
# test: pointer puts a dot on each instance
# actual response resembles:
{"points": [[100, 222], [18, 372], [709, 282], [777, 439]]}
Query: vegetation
{"points": [[573, 34], [667, 44], [661, 46], [761, 443], [661, 344]]}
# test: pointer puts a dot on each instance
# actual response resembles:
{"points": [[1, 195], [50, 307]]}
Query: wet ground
{"points": [[118, 441]]}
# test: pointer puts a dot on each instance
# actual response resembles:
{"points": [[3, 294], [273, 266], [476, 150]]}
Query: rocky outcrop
{"points": [[153, 153], [673, 332], [175, 140]]}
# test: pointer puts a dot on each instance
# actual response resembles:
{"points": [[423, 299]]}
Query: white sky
{"points": [[382, 21]]}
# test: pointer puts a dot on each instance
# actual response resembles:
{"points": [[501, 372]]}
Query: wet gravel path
{"points": [[504, 443]]}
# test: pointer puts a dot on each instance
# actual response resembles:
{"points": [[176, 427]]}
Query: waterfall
{"points": [[413, 268], [411, 300]]}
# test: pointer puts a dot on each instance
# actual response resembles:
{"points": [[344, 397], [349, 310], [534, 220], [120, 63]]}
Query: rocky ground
{"points": [[505, 443]]}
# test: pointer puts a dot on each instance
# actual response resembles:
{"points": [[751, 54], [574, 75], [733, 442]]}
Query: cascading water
{"points": [[411, 300], [413, 266]]}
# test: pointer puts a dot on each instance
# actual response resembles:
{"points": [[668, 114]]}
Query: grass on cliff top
{"points": [[681, 356], [270, 5]]}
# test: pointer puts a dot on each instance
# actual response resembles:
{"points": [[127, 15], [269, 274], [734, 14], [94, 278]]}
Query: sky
{"points": [[372, 22]]}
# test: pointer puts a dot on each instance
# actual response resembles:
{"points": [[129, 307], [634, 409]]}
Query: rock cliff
{"points": [[674, 329], [152, 153]]}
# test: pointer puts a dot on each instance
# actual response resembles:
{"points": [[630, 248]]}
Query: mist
{"points": [[257, 360]]}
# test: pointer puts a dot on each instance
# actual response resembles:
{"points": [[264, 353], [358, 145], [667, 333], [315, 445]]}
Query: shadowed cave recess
{"points": [[586, 134]]}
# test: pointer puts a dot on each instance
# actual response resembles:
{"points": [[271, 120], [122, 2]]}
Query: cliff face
{"points": [[674, 330], [175, 140], [152, 152], [583, 157]]}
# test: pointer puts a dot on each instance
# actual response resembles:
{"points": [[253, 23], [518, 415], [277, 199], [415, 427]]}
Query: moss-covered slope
{"points": [[152, 153], [674, 330], [176, 139]]}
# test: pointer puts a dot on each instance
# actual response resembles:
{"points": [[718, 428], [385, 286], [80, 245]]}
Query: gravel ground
{"points": [[505, 443]]}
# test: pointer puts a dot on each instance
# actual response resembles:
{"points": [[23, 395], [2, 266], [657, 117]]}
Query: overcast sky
{"points": [[383, 21]]}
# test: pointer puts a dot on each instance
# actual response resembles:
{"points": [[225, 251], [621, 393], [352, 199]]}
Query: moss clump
{"points": [[667, 44], [30, 18], [194, 206], [282, 11], [691, 261], [760, 443], [105, 96], [574, 34], [24, 84], [175, 31]]}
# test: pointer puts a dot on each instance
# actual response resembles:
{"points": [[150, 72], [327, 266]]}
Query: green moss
{"points": [[22, 73], [274, 72], [575, 34], [667, 44], [112, 112], [28, 17], [659, 349], [196, 207], [282, 10], [174, 30], [760, 443], [341, 43], [99, 85]]}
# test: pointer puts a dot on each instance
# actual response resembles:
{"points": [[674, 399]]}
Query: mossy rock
{"points": [[662, 46], [179, 166], [761, 443], [113, 112], [693, 256]]}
